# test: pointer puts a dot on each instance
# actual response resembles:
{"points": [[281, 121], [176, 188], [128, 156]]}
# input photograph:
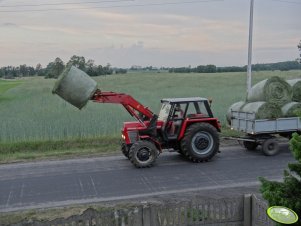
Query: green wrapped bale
{"points": [[274, 90], [234, 107], [75, 86], [296, 87], [291, 109], [263, 110]]}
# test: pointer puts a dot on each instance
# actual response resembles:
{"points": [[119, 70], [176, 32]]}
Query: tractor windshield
{"points": [[164, 112]]}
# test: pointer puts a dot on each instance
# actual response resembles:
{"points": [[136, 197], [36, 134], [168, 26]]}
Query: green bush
{"points": [[288, 192]]}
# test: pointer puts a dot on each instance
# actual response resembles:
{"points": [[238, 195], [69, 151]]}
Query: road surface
{"points": [[57, 183]]}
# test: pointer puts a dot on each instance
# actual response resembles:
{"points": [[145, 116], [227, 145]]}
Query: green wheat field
{"points": [[30, 112]]}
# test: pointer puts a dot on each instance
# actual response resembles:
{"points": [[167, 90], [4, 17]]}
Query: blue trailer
{"points": [[263, 131]]}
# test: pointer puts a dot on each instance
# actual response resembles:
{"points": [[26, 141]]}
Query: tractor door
{"points": [[173, 120], [176, 119]]}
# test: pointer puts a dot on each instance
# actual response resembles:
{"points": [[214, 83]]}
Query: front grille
{"points": [[133, 136]]}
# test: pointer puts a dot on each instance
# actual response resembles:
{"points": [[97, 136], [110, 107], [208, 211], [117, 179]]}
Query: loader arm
{"points": [[129, 103]]}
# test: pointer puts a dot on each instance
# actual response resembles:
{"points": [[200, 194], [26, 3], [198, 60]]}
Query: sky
{"points": [[165, 33]]}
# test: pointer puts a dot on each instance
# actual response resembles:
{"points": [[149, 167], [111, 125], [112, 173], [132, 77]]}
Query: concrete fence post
{"points": [[247, 210]]}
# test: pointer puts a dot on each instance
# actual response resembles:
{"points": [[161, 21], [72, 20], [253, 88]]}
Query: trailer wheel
{"points": [[201, 142], [143, 154], [270, 147], [249, 145]]}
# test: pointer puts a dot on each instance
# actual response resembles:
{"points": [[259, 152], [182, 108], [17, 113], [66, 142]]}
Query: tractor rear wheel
{"points": [[143, 154], [200, 142]]}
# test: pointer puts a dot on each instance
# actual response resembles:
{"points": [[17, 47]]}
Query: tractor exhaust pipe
{"points": [[75, 87]]}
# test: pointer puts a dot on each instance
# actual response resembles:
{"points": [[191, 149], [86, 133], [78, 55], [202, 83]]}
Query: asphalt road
{"points": [[57, 183]]}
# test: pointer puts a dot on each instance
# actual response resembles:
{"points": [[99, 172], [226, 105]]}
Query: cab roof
{"points": [[184, 100]]}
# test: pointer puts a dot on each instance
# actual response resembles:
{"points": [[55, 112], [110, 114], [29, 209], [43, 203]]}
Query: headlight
{"points": [[123, 137]]}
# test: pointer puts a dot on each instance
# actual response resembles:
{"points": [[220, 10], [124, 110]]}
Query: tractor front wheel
{"points": [[125, 149], [201, 142], [143, 154]]}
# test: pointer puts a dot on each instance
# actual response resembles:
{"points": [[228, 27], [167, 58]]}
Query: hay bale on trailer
{"points": [[263, 110], [75, 86], [234, 107], [296, 87], [274, 90], [291, 109]]}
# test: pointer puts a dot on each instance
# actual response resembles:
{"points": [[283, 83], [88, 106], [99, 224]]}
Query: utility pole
{"points": [[249, 71]]}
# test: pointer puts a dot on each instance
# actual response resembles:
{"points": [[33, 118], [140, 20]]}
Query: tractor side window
{"points": [[203, 108], [196, 108], [191, 109]]}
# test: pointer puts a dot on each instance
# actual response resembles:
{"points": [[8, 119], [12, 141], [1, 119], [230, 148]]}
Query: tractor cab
{"points": [[176, 112]]}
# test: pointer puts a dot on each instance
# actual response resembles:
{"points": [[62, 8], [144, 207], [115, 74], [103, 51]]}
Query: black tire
{"points": [[249, 145], [125, 150], [180, 151], [143, 154], [200, 142], [270, 147]]}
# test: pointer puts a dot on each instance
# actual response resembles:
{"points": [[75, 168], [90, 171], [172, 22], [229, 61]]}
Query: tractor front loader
{"points": [[185, 125]]}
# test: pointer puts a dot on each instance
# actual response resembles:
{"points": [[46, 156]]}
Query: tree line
{"points": [[55, 68], [282, 66]]}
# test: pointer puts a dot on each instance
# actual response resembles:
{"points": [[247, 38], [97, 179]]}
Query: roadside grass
{"points": [[23, 151], [37, 150], [51, 213], [27, 217]]}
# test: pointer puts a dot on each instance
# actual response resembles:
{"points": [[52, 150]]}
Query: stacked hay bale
{"points": [[296, 86], [271, 98]]}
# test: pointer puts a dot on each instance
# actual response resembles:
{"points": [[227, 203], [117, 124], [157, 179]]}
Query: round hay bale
{"points": [[263, 110], [234, 107], [75, 86], [296, 87], [273, 90], [291, 109]]}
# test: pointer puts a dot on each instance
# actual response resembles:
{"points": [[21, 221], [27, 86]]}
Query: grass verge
{"points": [[28, 216], [59, 149], [54, 149]]}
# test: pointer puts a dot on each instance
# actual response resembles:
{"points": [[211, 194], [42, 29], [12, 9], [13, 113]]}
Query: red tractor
{"points": [[186, 125], [183, 124]]}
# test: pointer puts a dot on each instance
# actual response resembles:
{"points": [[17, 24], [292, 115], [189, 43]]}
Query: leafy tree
{"points": [[288, 192], [78, 61], [120, 71], [55, 68], [210, 68], [23, 70], [107, 70], [91, 69], [39, 70]]}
